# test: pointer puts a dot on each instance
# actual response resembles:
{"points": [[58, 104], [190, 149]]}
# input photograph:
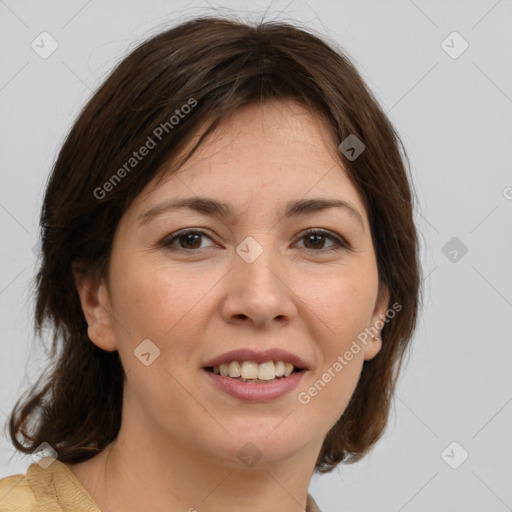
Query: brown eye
{"points": [[315, 241], [188, 240]]}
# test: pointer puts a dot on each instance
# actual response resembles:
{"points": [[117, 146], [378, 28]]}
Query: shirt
{"points": [[56, 489]]}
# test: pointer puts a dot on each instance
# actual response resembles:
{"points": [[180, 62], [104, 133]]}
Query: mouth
{"points": [[253, 382], [255, 373]]}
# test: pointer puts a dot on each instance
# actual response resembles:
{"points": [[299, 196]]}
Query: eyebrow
{"points": [[222, 211]]}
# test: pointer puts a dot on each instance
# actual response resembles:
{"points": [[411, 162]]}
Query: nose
{"points": [[258, 293]]}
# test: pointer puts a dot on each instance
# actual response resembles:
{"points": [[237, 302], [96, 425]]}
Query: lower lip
{"points": [[256, 392]]}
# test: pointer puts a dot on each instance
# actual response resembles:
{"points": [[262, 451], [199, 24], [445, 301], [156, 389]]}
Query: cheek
{"points": [[344, 303], [157, 302], [332, 390], [345, 313], [155, 299]]}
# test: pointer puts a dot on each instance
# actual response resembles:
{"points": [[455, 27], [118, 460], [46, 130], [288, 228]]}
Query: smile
{"points": [[252, 372], [255, 389]]}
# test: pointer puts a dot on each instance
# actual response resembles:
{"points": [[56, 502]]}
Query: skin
{"points": [[178, 443]]}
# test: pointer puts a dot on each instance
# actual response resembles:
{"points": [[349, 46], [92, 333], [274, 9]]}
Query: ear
{"points": [[95, 301], [374, 344]]}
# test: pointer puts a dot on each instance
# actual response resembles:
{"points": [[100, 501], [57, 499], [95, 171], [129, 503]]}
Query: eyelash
{"points": [[339, 241]]}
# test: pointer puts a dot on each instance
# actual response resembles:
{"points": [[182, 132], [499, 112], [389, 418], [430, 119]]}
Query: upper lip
{"points": [[257, 356]]}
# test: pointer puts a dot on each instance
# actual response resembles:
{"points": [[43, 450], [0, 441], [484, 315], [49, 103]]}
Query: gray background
{"points": [[455, 118]]}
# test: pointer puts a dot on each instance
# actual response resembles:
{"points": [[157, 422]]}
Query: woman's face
{"points": [[255, 280]]}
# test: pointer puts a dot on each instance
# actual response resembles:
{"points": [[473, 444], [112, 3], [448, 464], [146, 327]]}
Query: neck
{"points": [[133, 474]]}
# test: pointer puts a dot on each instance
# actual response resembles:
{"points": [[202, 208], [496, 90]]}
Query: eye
{"points": [[315, 238], [188, 239]]}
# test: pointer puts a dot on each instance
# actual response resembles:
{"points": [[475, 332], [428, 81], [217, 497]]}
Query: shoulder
{"points": [[43, 490], [16, 494], [54, 488]]}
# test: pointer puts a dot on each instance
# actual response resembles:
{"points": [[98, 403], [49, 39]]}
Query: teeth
{"points": [[266, 371], [234, 369], [250, 370]]}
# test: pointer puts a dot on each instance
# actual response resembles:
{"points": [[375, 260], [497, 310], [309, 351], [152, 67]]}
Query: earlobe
{"points": [[94, 299], [372, 347]]}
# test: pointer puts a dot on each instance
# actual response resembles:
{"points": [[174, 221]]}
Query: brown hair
{"points": [[220, 64]]}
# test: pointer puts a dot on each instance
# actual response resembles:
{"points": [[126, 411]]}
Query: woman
{"points": [[230, 267]]}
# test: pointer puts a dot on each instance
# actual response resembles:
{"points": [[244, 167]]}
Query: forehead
{"points": [[268, 153]]}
